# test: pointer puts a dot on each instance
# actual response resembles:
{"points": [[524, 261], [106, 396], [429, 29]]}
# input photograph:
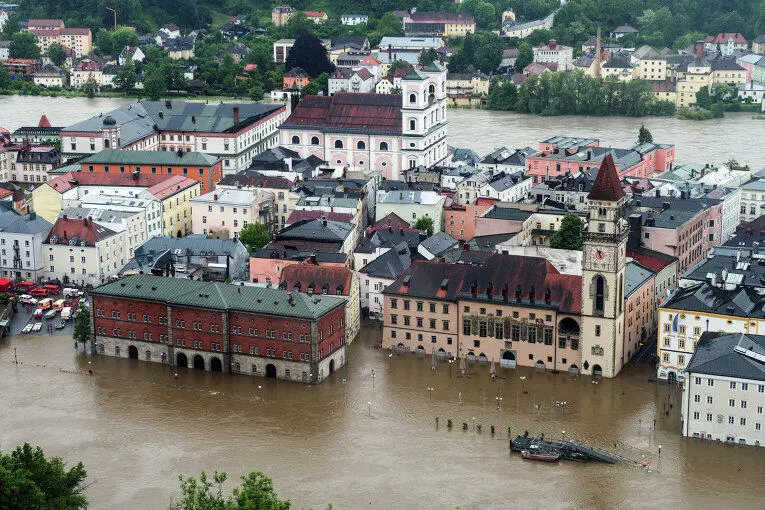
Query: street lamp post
{"points": [[369, 409], [473, 423], [451, 362], [659, 457], [564, 435], [373, 378], [430, 392], [499, 406], [523, 382]]}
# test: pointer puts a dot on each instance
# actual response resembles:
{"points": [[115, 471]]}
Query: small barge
{"points": [[568, 450]]}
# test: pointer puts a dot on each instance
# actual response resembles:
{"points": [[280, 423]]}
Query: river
{"points": [[364, 442], [737, 136]]}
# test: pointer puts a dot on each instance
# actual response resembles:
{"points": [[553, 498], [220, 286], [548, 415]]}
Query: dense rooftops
{"points": [[220, 296], [737, 355]]}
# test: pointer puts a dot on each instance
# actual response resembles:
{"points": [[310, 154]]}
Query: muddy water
{"points": [[366, 443]]}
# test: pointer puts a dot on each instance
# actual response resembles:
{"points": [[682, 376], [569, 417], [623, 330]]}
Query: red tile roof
{"points": [[69, 229], [5, 193], [336, 280], [607, 186], [364, 74], [314, 14], [348, 112], [75, 31], [45, 23], [653, 260], [170, 186], [391, 220], [722, 38], [303, 214], [69, 180]]}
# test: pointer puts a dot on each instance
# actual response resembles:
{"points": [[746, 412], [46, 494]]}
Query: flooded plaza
{"points": [[362, 441]]}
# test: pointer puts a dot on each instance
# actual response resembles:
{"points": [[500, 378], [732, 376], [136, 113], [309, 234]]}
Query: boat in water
{"points": [[544, 456]]}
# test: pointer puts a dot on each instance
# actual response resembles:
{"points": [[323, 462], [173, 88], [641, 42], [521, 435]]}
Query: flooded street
{"points": [[371, 442]]}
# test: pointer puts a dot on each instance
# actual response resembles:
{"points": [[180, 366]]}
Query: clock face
{"points": [[601, 256]]}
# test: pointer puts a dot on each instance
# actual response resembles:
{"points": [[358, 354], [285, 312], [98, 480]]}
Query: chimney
{"points": [[236, 115], [32, 216], [699, 49], [64, 216]]}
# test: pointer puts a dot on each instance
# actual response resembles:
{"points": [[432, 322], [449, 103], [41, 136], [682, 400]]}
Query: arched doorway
{"points": [[216, 365], [420, 349], [672, 377], [597, 370], [539, 365], [441, 352], [181, 360], [199, 362], [508, 359], [271, 370], [482, 357], [133, 352], [180, 234], [573, 369], [331, 366]]}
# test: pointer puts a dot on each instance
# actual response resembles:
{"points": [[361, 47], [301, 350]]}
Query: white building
{"points": [[223, 213], [411, 205], [752, 200], [21, 243], [82, 252], [387, 265], [354, 19], [724, 389], [374, 132], [554, 52]]}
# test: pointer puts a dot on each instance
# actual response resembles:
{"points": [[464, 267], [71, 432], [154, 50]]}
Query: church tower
{"points": [[603, 268], [423, 116]]}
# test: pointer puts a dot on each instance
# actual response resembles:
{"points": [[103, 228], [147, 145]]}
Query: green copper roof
{"points": [[158, 158], [415, 74], [220, 296]]}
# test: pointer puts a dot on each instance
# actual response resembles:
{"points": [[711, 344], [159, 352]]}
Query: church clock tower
{"points": [[603, 267]]}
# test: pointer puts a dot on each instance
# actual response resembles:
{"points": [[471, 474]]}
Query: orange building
{"points": [[198, 166], [296, 78], [460, 220]]}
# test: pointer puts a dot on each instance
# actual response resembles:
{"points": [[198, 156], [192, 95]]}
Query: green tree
{"points": [[425, 223], [5, 77], [703, 98], [644, 136], [488, 51], [254, 236], [427, 56], [688, 39], [484, 13], [24, 45], [397, 64], [310, 55], [319, 85], [298, 26], [81, 333], [569, 235], [122, 37], [90, 87], [126, 76], [503, 96], [525, 56], [103, 42], [155, 84], [256, 493], [389, 26], [29, 480], [57, 54]]}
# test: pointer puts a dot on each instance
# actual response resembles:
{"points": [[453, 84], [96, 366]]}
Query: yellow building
{"points": [[619, 66], [697, 76], [649, 64], [48, 31], [442, 24], [464, 84]]}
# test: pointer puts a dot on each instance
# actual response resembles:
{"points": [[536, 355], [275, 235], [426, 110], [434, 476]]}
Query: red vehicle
{"points": [[25, 287], [6, 285], [52, 289], [38, 292]]}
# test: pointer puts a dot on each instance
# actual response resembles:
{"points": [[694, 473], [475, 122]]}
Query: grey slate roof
{"points": [[156, 158], [221, 296], [316, 230], [138, 120], [733, 355], [438, 243], [636, 276], [740, 302], [507, 213], [383, 238], [13, 222], [390, 264], [195, 244]]}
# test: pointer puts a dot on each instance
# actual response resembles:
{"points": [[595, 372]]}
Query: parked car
{"points": [[60, 325], [50, 314], [25, 286], [37, 326], [27, 328]]}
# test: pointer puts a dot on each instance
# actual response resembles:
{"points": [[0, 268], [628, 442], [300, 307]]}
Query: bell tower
{"points": [[603, 268]]}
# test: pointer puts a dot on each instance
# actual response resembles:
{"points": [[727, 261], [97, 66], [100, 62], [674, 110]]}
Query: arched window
{"points": [[431, 89], [106, 143], [338, 144], [360, 145], [412, 124], [383, 146], [600, 294], [296, 140], [314, 140], [412, 98], [621, 287]]}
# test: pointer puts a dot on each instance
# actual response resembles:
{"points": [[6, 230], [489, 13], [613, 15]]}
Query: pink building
{"points": [[267, 264], [563, 155]]}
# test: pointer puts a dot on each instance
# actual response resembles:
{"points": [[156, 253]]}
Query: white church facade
{"points": [[374, 132]]}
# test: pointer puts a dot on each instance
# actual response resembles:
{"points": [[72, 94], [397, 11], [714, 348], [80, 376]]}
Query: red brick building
{"points": [[220, 327]]}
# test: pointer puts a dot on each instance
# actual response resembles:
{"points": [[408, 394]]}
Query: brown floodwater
{"points": [[361, 442]]}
